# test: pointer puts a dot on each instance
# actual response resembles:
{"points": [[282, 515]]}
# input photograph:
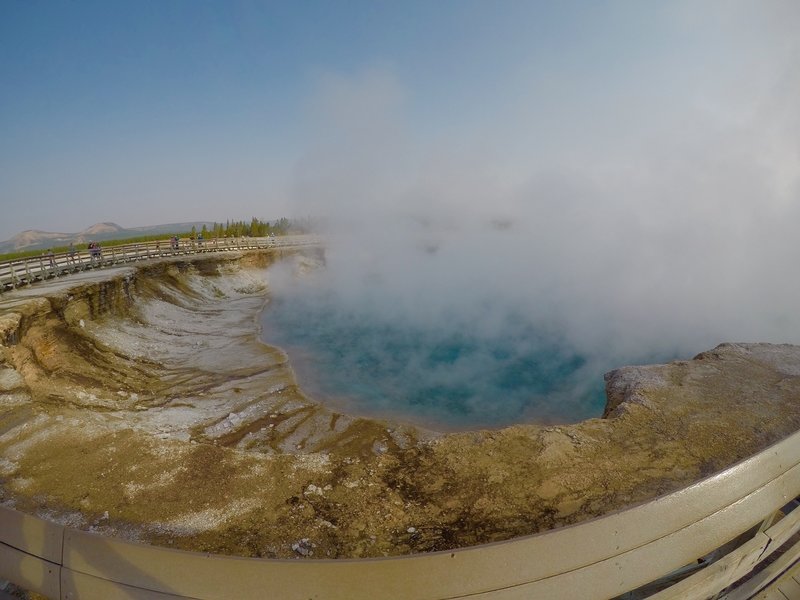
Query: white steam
{"points": [[659, 226]]}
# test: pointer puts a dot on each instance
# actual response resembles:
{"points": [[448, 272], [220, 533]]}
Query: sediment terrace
{"points": [[139, 402]]}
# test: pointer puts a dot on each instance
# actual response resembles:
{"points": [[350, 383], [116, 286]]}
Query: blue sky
{"points": [[149, 112]]}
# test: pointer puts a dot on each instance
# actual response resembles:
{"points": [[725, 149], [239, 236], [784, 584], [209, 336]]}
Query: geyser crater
{"points": [[487, 367]]}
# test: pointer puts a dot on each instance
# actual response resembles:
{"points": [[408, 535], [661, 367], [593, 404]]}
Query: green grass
{"points": [[81, 247], [106, 244]]}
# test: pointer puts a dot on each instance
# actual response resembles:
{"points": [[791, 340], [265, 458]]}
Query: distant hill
{"points": [[32, 239]]}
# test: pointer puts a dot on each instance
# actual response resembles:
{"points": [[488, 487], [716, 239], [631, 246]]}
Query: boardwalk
{"points": [[26, 271]]}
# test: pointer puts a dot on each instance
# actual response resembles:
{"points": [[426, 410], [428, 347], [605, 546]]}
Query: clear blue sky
{"points": [[148, 112]]}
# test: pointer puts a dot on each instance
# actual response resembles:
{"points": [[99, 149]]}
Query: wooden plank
{"points": [[784, 529], [29, 572], [31, 535], [769, 574], [75, 586], [770, 594], [789, 588], [762, 582], [592, 582], [720, 574]]}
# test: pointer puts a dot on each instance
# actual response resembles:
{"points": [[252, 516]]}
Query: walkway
{"points": [[25, 271]]}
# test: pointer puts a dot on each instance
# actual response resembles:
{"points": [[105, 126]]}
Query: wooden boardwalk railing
{"points": [[25, 271], [691, 544]]}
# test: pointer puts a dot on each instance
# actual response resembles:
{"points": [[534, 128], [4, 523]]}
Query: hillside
{"points": [[33, 239]]}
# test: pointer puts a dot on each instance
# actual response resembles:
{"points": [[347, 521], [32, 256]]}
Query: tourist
{"points": [[94, 251]]}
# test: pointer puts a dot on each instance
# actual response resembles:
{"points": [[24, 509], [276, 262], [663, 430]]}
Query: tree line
{"points": [[255, 228]]}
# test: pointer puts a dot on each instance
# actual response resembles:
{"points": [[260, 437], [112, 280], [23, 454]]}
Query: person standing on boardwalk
{"points": [[94, 251]]}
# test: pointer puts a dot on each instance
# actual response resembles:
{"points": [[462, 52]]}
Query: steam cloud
{"points": [[629, 225]]}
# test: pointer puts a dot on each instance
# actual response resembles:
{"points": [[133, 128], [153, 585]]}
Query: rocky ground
{"points": [[139, 402]]}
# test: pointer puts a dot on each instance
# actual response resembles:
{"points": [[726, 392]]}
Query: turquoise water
{"points": [[445, 376]]}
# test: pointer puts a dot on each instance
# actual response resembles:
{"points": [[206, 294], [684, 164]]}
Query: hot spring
{"points": [[449, 373]]}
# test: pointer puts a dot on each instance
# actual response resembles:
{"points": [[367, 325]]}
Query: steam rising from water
{"points": [[648, 218], [455, 374]]}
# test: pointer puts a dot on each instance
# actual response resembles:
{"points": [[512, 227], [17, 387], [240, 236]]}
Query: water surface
{"points": [[446, 375]]}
